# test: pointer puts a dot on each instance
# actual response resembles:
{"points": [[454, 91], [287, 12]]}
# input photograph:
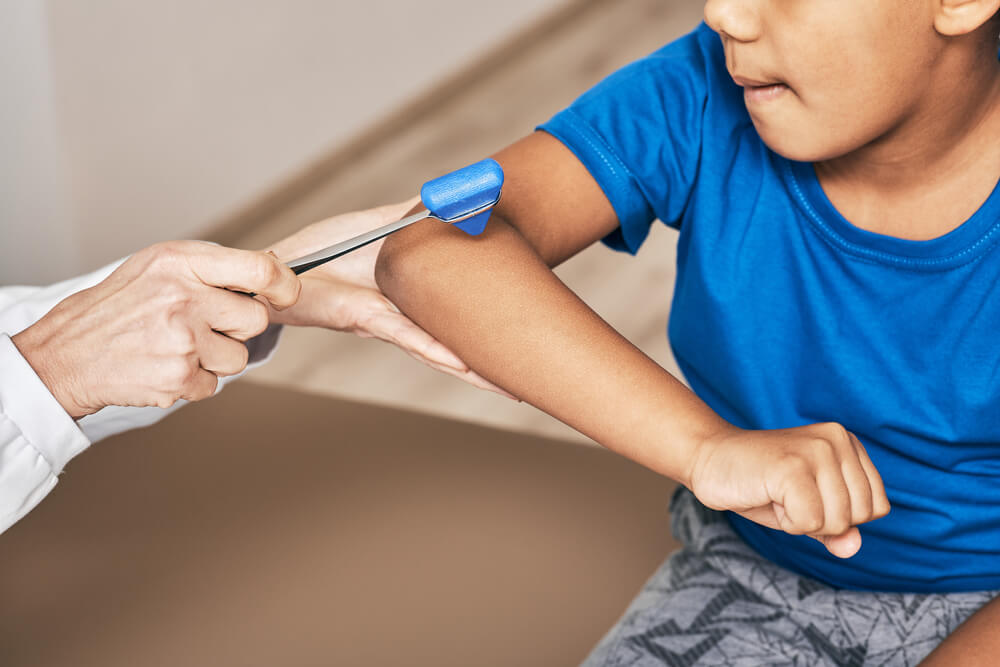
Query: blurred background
{"points": [[127, 123], [124, 123]]}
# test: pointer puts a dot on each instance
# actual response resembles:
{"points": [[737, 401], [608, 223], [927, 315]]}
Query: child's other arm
{"points": [[495, 301]]}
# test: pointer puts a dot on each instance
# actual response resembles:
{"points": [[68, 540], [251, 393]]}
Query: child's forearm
{"points": [[975, 642], [494, 302]]}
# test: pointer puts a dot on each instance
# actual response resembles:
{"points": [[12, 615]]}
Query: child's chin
{"points": [[798, 146]]}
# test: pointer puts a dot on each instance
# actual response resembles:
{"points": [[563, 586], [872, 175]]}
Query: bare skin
{"points": [[167, 324], [972, 644], [901, 128], [163, 326], [541, 343], [342, 295]]}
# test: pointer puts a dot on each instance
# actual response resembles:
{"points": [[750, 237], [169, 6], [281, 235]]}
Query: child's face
{"points": [[845, 72]]}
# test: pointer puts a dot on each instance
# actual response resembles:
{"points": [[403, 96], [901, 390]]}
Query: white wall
{"points": [[128, 122], [37, 234]]}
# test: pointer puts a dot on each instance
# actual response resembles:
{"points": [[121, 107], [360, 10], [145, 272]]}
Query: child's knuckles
{"points": [[881, 508], [836, 436], [820, 447], [804, 512], [860, 490], [837, 524], [808, 522], [833, 430], [794, 467], [862, 510], [812, 525]]}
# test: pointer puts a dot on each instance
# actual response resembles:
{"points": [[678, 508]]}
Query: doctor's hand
{"points": [[342, 294], [814, 480], [163, 326]]}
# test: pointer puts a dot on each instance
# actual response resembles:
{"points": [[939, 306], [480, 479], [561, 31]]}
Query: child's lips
{"points": [[764, 93], [760, 91]]}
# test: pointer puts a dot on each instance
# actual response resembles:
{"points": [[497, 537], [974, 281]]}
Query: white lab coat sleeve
{"points": [[37, 436]]}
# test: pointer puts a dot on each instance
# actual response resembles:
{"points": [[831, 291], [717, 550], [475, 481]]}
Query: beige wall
{"points": [[37, 237], [128, 122]]}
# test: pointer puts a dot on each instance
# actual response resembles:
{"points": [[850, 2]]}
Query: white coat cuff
{"points": [[29, 404], [37, 436]]}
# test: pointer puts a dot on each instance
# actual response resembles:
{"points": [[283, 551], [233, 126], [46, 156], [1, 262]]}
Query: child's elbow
{"points": [[392, 265], [420, 264], [386, 266]]}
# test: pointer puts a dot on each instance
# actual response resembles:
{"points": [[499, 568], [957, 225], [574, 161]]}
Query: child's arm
{"points": [[496, 303], [974, 643]]}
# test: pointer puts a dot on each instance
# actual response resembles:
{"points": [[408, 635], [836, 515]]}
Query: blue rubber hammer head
{"points": [[465, 198]]}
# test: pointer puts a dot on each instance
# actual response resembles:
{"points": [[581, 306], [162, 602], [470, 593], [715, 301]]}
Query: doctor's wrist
{"points": [[53, 373]]}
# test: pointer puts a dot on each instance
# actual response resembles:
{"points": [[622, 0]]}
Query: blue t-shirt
{"points": [[786, 314]]}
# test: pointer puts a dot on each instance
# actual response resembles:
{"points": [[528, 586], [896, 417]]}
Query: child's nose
{"points": [[736, 19]]}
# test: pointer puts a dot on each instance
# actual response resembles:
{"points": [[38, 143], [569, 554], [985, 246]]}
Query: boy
{"points": [[832, 166]]}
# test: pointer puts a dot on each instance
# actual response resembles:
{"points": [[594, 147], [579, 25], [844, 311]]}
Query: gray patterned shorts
{"points": [[717, 602]]}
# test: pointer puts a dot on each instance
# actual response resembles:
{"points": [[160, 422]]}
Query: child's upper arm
{"points": [[622, 155], [551, 198]]}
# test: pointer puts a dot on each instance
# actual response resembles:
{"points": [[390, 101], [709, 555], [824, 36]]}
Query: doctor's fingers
{"points": [[200, 385], [236, 315], [221, 354], [245, 271]]}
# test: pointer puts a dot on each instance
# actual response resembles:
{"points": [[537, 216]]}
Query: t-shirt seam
{"points": [[836, 241], [608, 149]]}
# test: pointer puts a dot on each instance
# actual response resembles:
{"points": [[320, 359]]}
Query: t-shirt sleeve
{"points": [[639, 133]]}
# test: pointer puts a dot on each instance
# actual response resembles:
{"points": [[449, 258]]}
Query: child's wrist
{"points": [[703, 442]]}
